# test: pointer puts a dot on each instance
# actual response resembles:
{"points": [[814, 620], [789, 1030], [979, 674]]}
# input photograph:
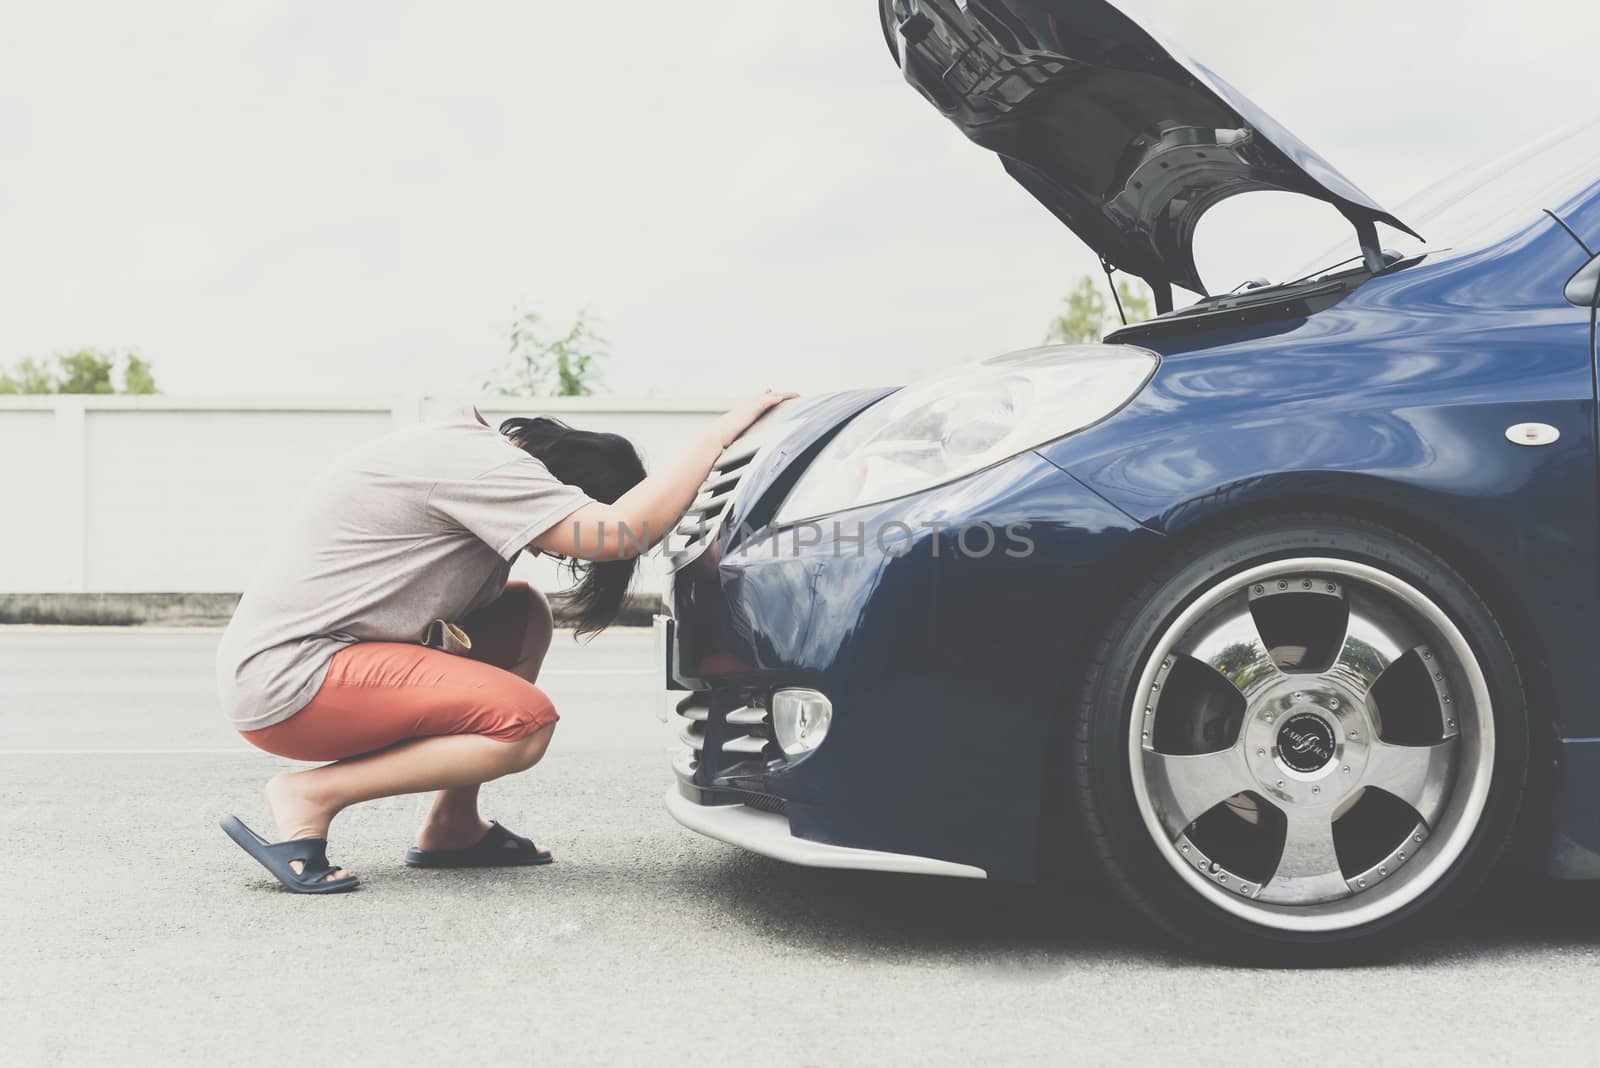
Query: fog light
{"points": [[800, 720]]}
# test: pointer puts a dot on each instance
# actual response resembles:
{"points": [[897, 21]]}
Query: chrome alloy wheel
{"points": [[1312, 744]]}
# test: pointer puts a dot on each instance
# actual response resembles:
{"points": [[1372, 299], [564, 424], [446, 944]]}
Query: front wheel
{"points": [[1303, 737]]}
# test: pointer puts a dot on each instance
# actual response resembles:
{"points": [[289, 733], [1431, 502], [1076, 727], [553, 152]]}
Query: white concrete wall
{"points": [[158, 495]]}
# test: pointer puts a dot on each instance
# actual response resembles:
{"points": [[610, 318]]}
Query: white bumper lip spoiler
{"points": [[768, 833]]}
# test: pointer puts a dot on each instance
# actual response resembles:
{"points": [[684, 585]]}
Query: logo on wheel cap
{"points": [[1306, 743]]}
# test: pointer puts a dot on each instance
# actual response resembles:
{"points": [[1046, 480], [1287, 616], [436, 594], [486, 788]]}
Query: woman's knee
{"points": [[530, 749], [527, 719]]}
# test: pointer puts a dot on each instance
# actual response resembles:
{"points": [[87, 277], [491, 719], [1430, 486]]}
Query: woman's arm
{"points": [[648, 512]]}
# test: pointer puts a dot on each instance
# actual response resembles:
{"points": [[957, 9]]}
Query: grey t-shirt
{"points": [[420, 525]]}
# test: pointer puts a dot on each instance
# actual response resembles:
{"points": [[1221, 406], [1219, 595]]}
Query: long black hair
{"points": [[605, 466]]}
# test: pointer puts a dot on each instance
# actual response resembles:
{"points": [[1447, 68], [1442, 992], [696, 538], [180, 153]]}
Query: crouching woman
{"points": [[381, 639]]}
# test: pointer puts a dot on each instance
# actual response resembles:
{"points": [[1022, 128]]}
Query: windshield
{"points": [[1490, 201]]}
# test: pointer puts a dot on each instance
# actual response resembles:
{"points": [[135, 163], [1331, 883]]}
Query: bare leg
{"points": [[304, 803], [454, 821]]}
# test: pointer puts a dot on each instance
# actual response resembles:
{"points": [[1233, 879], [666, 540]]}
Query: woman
{"points": [[410, 539]]}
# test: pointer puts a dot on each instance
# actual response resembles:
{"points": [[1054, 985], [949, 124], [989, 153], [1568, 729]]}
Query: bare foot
{"points": [[298, 813], [452, 832]]}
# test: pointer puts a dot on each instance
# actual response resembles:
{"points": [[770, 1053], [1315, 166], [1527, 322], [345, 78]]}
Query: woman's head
{"points": [[604, 466]]}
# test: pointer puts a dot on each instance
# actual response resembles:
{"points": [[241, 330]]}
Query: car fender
{"points": [[1397, 404]]}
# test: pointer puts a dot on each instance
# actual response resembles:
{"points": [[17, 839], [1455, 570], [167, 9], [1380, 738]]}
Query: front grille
{"points": [[719, 740], [767, 803], [695, 530]]}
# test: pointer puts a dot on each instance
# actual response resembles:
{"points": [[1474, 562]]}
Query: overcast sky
{"points": [[348, 198]]}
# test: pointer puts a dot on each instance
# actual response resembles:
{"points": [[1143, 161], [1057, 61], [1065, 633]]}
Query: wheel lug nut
{"points": [[1305, 585], [1261, 589], [1283, 585], [1280, 784], [1347, 769], [1316, 789], [1355, 734]]}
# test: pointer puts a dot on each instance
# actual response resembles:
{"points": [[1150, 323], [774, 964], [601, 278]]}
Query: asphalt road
{"points": [[132, 931]]}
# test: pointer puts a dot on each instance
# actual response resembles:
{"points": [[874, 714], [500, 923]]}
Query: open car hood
{"points": [[1125, 140]]}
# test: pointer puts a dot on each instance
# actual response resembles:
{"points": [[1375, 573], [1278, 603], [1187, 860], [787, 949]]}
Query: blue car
{"points": [[1276, 609]]}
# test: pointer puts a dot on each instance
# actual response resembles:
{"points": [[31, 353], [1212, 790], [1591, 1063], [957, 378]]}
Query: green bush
{"points": [[86, 371], [1087, 316], [540, 365]]}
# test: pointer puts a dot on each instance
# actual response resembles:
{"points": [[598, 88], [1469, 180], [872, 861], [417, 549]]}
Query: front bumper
{"points": [[768, 833], [946, 673]]}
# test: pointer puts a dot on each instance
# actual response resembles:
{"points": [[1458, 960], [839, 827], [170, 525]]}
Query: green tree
{"points": [[1087, 316], [86, 371], [1084, 314], [1137, 302], [138, 377], [539, 364], [29, 376]]}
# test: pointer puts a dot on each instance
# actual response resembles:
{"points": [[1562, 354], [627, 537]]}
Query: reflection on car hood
{"points": [[1124, 139]]}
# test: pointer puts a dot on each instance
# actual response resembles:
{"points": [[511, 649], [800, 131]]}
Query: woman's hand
{"points": [[740, 419], [646, 513]]}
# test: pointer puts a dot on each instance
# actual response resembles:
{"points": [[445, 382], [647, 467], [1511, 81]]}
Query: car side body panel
{"points": [[1575, 847], [1395, 404]]}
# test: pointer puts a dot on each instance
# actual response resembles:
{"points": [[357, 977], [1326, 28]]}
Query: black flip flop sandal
{"points": [[279, 859], [490, 852]]}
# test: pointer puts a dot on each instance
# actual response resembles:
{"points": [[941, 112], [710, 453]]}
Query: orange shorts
{"points": [[378, 694]]}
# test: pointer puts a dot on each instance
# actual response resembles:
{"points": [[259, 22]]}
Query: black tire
{"points": [[1100, 737]]}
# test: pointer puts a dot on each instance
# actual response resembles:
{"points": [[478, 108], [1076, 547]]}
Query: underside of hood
{"points": [[1122, 138]]}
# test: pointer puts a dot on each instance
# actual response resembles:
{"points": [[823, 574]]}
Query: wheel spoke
{"points": [[1184, 788], [1418, 775], [1372, 642], [1308, 872], [1230, 644]]}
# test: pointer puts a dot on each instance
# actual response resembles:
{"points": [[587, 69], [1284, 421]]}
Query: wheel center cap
{"points": [[1306, 743]]}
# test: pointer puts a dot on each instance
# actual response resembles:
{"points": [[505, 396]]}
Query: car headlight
{"points": [[960, 421]]}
